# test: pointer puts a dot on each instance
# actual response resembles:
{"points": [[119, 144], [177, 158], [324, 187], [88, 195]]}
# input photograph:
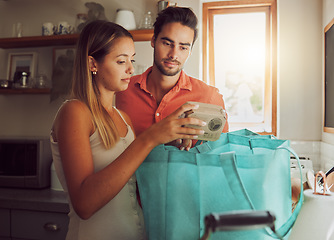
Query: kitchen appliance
{"points": [[25, 162], [306, 165]]}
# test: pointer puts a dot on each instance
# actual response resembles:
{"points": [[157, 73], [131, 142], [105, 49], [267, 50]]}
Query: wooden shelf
{"points": [[61, 40], [142, 35], [25, 91]]}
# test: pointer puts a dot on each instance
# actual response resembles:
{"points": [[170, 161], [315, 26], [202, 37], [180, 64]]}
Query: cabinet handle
{"points": [[52, 227]]}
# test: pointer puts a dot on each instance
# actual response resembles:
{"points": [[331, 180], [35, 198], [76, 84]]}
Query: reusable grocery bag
{"points": [[241, 170]]}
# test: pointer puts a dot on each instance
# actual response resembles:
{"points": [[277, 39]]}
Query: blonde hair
{"points": [[96, 40]]}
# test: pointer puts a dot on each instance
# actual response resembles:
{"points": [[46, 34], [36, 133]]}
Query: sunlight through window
{"points": [[240, 59], [239, 43]]}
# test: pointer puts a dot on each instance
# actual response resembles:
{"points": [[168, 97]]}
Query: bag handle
{"points": [[242, 137], [286, 227]]}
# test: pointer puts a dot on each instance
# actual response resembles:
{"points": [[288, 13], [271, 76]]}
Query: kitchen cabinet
{"points": [[28, 214], [27, 224], [38, 225], [54, 40]]}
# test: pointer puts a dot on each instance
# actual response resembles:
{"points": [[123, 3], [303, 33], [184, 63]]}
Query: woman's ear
{"points": [[92, 64]]}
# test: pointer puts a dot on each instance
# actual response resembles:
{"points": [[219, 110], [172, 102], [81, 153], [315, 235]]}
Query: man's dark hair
{"points": [[182, 15]]}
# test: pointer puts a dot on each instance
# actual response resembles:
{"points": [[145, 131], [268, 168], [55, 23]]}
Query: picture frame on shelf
{"points": [[21, 62]]}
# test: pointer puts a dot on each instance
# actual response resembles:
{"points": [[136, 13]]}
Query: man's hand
{"points": [[182, 144]]}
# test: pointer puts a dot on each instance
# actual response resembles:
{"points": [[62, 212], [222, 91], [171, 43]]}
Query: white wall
{"points": [[299, 64], [299, 69]]}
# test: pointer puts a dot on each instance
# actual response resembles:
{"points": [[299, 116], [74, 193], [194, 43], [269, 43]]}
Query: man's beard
{"points": [[165, 71]]}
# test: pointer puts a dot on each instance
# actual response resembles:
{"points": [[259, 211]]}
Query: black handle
{"points": [[240, 220]]}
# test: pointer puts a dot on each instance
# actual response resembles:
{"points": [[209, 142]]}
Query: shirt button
{"points": [[157, 114]]}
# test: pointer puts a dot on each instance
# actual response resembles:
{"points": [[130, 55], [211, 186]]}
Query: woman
{"points": [[93, 144]]}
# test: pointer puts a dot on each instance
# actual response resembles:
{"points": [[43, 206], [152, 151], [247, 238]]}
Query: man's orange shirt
{"points": [[142, 108]]}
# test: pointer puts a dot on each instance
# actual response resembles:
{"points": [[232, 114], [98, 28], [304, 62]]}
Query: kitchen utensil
{"points": [[126, 19], [165, 4]]}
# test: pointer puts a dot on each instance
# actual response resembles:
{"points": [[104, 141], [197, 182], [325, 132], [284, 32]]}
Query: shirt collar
{"points": [[183, 82]]}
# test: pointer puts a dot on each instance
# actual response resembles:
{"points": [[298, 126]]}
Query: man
{"points": [[164, 87]]}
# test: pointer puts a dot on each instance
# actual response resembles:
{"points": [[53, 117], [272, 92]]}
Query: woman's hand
{"points": [[173, 127]]}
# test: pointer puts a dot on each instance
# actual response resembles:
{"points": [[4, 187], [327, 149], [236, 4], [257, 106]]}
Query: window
{"points": [[239, 58]]}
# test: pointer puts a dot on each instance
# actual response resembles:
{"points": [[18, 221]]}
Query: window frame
{"points": [[269, 6]]}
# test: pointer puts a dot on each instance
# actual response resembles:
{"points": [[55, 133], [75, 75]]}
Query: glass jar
{"points": [[146, 21], [41, 81]]}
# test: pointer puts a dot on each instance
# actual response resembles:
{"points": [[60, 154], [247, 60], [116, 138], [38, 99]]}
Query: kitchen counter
{"points": [[46, 200]]}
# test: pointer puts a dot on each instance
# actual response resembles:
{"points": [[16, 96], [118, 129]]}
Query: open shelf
{"points": [[25, 91], [54, 40], [61, 40]]}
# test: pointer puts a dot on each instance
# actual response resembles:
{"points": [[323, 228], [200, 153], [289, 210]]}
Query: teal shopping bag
{"points": [[242, 170]]}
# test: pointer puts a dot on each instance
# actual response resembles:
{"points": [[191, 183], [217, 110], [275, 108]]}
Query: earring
{"points": [[94, 72]]}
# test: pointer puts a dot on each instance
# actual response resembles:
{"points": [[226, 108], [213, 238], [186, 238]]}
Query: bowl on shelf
{"points": [[5, 83]]}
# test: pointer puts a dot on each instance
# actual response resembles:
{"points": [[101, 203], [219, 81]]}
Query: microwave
{"points": [[25, 163]]}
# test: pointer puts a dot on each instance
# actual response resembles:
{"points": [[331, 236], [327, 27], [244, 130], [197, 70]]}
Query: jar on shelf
{"points": [[41, 81], [80, 22], [146, 21]]}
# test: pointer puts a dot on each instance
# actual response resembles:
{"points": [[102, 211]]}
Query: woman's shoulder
{"points": [[73, 110], [73, 116], [73, 106]]}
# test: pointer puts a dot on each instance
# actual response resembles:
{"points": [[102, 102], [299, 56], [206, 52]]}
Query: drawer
{"points": [[4, 223], [38, 225]]}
